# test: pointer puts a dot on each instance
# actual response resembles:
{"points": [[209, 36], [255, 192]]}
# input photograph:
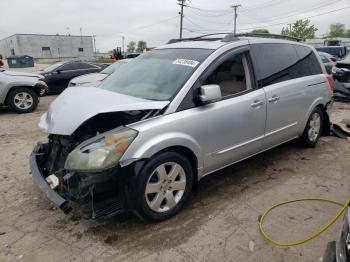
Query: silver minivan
{"points": [[146, 136]]}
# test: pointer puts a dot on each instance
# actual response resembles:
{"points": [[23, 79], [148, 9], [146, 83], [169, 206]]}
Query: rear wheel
{"points": [[22, 100], [313, 128], [164, 186]]}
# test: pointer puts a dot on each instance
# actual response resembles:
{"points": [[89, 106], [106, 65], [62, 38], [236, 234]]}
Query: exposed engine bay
{"points": [[85, 187]]}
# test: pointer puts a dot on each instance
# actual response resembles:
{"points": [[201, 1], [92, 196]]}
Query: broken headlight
{"points": [[101, 152]]}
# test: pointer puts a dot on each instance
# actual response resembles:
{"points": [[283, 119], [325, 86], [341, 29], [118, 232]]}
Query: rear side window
{"points": [[324, 59], [282, 62], [308, 61]]}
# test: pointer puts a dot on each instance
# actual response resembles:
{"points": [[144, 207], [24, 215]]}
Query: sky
{"points": [[157, 21]]}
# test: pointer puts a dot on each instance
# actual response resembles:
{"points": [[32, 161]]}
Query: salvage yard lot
{"points": [[218, 224]]}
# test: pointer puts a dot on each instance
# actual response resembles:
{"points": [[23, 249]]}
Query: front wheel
{"points": [[22, 100], [313, 128], [165, 184]]}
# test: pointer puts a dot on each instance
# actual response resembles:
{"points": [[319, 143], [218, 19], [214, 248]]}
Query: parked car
{"points": [[132, 55], [20, 91], [328, 61], [144, 138], [337, 51], [58, 75], [341, 71], [94, 79]]}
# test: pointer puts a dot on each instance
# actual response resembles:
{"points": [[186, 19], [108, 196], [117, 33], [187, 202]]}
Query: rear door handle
{"points": [[274, 99], [257, 104]]}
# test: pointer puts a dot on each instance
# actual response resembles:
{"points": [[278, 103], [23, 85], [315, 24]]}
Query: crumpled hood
{"points": [[15, 73], [89, 78], [76, 105]]}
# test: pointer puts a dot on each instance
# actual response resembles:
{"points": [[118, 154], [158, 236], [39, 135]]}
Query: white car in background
{"points": [[94, 79]]}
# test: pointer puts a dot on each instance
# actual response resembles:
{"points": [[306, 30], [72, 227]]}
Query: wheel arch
{"points": [[11, 89], [318, 103], [326, 120], [189, 154], [181, 143]]}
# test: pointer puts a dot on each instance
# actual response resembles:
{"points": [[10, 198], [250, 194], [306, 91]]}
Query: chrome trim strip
{"points": [[238, 145], [280, 129]]}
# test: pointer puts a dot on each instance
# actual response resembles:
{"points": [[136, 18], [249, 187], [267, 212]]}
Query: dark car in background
{"points": [[58, 75], [94, 79], [337, 51]]}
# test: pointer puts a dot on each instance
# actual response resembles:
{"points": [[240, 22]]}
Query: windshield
{"points": [[52, 67], [110, 69], [157, 74]]}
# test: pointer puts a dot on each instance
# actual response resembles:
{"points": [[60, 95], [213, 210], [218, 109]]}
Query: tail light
{"points": [[331, 83]]}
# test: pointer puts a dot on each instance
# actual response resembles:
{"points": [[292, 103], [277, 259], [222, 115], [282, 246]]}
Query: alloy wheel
{"points": [[23, 100], [165, 187], [314, 127]]}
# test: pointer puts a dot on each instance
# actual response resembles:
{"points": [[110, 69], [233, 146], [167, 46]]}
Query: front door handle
{"points": [[274, 99], [257, 104]]}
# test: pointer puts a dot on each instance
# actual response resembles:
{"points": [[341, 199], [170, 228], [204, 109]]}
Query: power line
{"points": [[204, 31], [262, 5], [210, 10], [283, 23], [295, 13]]}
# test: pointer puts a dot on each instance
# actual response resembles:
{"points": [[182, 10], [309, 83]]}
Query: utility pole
{"points": [[123, 42], [290, 28], [235, 25], [93, 37], [182, 4]]}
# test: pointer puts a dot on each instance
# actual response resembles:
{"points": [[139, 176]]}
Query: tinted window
{"points": [[324, 59], [84, 66], [75, 66], [308, 61], [68, 66], [282, 62], [232, 75]]}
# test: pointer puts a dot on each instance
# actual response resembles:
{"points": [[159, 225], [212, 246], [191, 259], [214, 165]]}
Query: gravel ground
{"points": [[218, 224]]}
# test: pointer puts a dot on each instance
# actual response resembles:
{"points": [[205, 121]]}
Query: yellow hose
{"points": [[319, 232]]}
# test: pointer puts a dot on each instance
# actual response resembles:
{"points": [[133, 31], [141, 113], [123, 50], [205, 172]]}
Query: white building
{"points": [[48, 47]]}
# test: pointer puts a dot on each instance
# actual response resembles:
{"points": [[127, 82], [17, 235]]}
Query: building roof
{"points": [[46, 35]]}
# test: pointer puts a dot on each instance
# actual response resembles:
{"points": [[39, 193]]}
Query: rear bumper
{"points": [[40, 181]]}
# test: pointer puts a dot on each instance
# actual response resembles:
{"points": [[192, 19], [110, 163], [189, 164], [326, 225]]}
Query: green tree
{"points": [[337, 30], [347, 33], [131, 47], [261, 30], [141, 46], [301, 28]]}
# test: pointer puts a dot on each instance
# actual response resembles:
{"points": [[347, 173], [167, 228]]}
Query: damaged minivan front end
{"points": [[79, 164]]}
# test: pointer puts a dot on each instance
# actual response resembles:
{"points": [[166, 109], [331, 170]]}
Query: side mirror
{"points": [[209, 93], [58, 71]]}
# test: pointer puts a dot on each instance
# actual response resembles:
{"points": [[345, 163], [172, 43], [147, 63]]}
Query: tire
{"points": [[28, 104], [165, 201], [313, 129]]}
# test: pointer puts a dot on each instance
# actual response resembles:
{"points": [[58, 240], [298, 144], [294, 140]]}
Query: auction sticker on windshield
{"points": [[186, 62]]}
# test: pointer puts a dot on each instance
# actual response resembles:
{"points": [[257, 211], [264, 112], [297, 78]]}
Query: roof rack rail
{"points": [[198, 38], [232, 37]]}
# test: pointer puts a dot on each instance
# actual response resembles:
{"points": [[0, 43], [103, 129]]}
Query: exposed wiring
{"points": [[309, 238]]}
